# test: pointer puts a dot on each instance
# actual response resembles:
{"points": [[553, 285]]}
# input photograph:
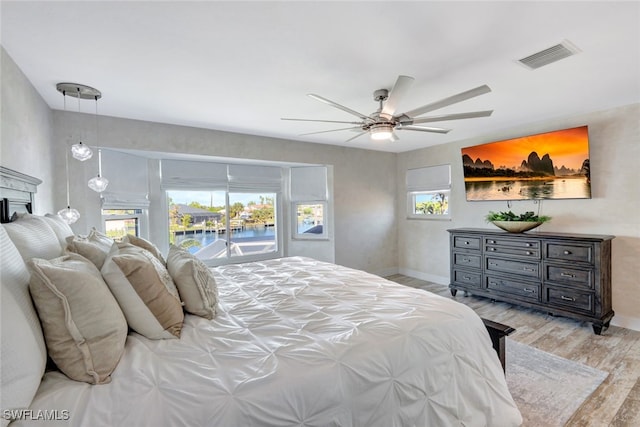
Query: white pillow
{"points": [[60, 227], [33, 237], [95, 247], [195, 282], [83, 325], [24, 355], [144, 290]]}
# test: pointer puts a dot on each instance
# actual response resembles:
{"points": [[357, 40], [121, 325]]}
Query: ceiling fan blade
{"points": [[394, 137], [463, 96], [357, 136], [338, 106], [424, 129], [444, 117], [400, 89], [323, 121], [332, 130]]}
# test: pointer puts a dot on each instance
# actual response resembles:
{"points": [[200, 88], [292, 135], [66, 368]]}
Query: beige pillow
{"points": [[144, 244], [60, 227], [195, 282], [144, 290], [95, 247], [83, 325]]}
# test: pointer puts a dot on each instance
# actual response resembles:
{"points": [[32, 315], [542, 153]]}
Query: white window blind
{"points": [[429, 178], [252, 178], [192, 175], [308, 183], [128, 177], [177, 174]]}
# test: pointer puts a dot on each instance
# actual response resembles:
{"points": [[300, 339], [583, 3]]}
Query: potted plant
{"points": [[514, 223]]}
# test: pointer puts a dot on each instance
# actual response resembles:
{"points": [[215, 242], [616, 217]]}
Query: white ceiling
{"points": [[241, 66]]}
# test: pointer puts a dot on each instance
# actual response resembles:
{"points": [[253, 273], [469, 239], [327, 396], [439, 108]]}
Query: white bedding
{"points": [[299, 342]]}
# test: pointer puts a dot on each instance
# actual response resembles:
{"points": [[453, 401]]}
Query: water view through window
{"points": [[217, 224]]}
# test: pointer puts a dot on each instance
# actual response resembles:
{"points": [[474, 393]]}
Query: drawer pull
{"points": [[529, 253], [467, 242], [567, 252], [493, 263], [528, 290], [567, 298], [466, 277], [466, 260], [492, 241], [492, 249], [567, 275], [528, 245], [528, 269], [494, 283]]}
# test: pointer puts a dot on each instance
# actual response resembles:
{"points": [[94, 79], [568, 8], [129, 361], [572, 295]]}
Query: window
{"points": [[310, 220], [219, 225], [428, 191], [429, 204], [120, 222], [308, 186]]}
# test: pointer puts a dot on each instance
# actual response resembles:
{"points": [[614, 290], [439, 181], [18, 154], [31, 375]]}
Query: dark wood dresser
{"points": [[560, 273]]}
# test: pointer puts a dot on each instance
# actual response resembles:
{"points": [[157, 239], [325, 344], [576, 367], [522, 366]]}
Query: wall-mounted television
{"points": [[552, 165]]}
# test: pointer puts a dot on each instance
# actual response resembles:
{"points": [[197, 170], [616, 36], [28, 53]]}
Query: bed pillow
{"points": [[33, 237], [144, 244], [59, 227], [83, 325], [144, 290], [195, 282], [24, 354], [95, 247]]}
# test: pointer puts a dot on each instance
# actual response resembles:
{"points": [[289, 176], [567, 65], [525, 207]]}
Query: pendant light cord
{"points": [[66, 164], [97, 141]]}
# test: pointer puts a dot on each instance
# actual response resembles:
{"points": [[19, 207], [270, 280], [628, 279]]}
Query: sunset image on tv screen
{"points": [[553, 165]]}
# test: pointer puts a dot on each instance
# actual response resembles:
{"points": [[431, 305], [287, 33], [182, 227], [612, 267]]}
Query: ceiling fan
{"points": [[383, 123]]}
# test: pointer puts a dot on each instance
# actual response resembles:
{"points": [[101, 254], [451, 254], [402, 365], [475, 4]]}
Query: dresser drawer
{"points": [[529, 291], [569, 252], [466, 242], [571, 276], [521, 268], [569, 299], [467, 278], [528, 248], [467, 260]]}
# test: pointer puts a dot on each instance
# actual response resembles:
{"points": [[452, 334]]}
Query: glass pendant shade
{"points": [[98, 184], [81, 152], [69, 215]]}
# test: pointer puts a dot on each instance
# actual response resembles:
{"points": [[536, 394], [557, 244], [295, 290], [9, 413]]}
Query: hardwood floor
{"points": [[616, 402]]}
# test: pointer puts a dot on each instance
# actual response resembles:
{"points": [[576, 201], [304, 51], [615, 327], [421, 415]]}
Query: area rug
{"points": [[547, 388]]}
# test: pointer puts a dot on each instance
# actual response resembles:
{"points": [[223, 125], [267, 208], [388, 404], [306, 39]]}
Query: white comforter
{"points": [[299, 342]]}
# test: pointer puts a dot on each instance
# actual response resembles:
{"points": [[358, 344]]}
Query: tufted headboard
{"points": [[17, 192]]}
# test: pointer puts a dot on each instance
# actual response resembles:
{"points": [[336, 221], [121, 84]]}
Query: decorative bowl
{"points": [[516, 226]]}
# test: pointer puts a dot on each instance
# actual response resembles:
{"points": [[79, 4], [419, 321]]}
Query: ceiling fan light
{"points": [[381, 132]]}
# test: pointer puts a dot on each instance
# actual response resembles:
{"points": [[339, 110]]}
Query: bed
{"points": [[295, 342]]}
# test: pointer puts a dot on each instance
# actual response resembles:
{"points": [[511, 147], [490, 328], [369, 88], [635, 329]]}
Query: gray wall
{"points": [[26, 134], [364, 189], [614, 207]]}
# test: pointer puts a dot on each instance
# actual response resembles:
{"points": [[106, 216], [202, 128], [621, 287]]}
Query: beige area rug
{"points": [[547, 388]]}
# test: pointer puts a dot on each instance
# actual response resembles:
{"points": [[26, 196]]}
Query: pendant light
{"points": [[79, 151], [68, 215], [98, 183]]}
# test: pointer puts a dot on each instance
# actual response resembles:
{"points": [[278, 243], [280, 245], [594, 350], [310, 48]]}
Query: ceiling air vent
{"points": [[550, 55]]}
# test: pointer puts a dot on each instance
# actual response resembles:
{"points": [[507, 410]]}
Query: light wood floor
{"points": [[617, 351]]}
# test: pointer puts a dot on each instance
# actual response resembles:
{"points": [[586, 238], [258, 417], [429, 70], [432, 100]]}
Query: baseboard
{"points": [[626, 322], [440, 280]]}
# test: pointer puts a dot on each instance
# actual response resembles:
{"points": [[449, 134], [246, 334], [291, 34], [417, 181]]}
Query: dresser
{"points": [[563, 274]]}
